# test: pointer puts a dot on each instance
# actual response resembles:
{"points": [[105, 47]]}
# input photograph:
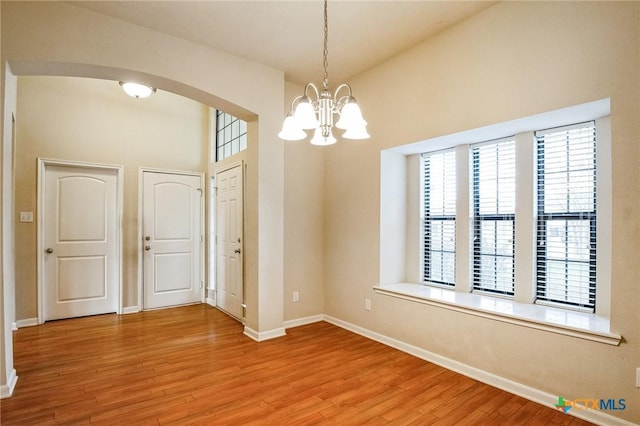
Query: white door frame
{"points": [[140, 254], [43, 163], [214, 245], [211, 296]]}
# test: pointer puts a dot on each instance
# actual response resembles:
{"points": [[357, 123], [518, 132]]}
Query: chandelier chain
{"points": [[325, 52]]}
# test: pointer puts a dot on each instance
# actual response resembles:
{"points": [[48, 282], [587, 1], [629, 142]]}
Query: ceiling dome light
{"points": [[136, 90]]}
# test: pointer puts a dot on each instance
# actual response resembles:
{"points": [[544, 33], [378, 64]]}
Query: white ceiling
{"points": [[288, 35]]}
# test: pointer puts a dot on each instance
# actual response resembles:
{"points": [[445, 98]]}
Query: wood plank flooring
{"points": [[193, 366]]}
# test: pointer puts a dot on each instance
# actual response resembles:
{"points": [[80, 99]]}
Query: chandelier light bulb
{"points": [[320, 139], [305, 114], [357, 132], [291, 130], [350, 116]]}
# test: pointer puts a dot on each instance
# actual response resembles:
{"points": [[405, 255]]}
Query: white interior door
{"points": [[229, 232], [80, 267], [172, 233]]}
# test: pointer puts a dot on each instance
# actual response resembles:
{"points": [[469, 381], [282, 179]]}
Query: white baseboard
{"points": [[14, 326], [302, 321], [27, 322], [209, 301], [532, 394], [7, 390], [264, 335], [130, 309]]}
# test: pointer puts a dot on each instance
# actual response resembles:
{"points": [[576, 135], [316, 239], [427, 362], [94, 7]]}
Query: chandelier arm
{"points": [[315, 89], [335, 94], [293, 102], [339, 103]]}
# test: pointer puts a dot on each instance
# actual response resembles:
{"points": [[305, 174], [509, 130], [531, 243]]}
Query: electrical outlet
{"points": [[638, 377], [296, 296], [26, 216], [367, 304]]}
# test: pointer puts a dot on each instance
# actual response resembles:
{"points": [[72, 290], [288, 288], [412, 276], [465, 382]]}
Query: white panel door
{"points": [[229, 217], [80, 267], [172, 210]]}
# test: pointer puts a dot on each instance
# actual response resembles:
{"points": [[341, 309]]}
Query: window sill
{"points": [[576, 324]]}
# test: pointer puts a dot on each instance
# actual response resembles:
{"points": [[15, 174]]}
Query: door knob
{"points": [[236, 251], [49, 250], [147, 238], [147, 247]]}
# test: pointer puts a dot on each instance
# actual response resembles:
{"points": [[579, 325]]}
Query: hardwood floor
{"points": [[193, 365]]}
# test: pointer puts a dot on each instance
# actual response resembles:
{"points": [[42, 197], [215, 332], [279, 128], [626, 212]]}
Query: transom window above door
{"points": [[230, 135]]}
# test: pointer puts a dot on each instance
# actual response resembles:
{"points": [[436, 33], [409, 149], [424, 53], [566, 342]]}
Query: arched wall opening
{"points": [[59, 39]]}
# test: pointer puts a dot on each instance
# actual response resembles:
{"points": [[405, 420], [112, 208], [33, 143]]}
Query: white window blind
{"points": [[439, 262], [566, 249], [494, 195]]}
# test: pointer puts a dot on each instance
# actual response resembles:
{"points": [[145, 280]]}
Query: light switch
{"points": [[26, 216]]}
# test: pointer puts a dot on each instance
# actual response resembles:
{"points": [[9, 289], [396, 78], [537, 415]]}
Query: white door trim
{"points": [[139, 251], [228, 167], [211, 241], [43, 163]]}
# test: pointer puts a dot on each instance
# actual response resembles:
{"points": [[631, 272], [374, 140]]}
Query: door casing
{"points": [[43, 163]]}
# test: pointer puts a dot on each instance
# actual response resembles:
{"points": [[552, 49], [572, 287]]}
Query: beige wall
{"points": [[93, 121], [7, 306], [6, 333], [304, 224], [513, 60]]}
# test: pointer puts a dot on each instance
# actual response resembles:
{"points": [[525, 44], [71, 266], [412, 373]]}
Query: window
{"points": [[564, 247], [439, 229], [231, 135], [494, 196], [566, 234], [542, 187]]}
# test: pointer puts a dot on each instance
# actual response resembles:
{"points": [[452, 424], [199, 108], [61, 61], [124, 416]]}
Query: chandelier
{"points": [[317, 113]]}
